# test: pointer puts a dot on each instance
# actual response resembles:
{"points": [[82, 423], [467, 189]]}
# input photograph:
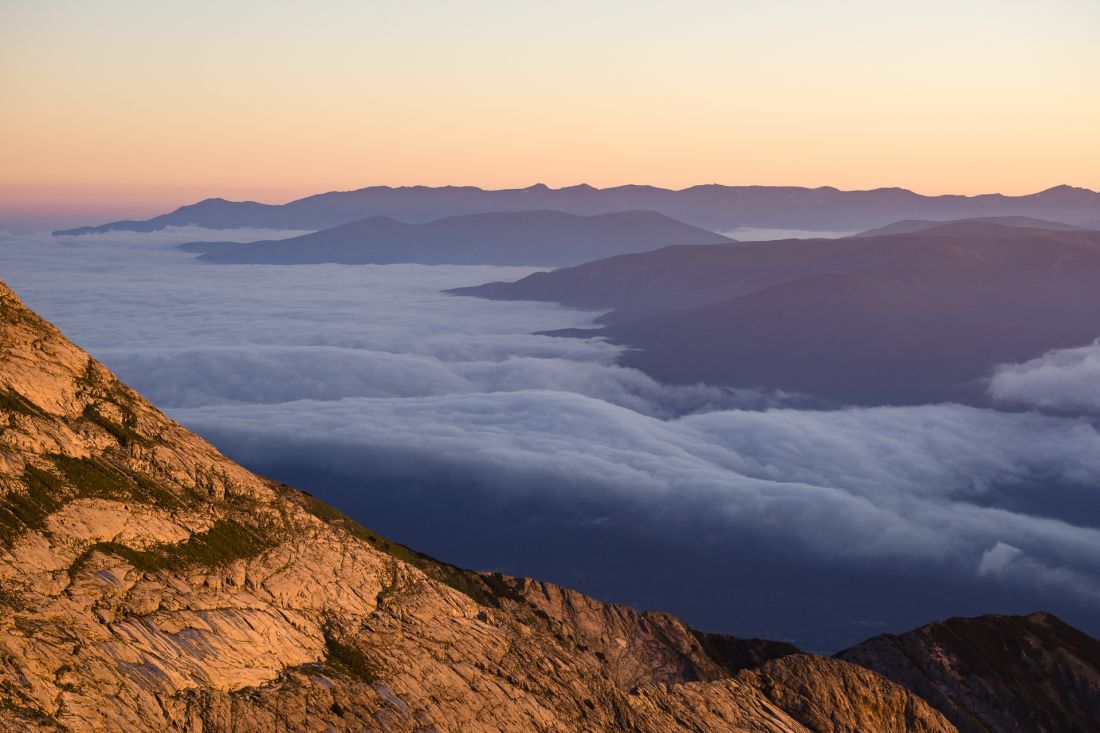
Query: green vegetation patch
{"points": [[44, 495], [13, 313], [109, 391], [12, 401], [227, 540], [347, 660], [123, 432], [101, 479]]}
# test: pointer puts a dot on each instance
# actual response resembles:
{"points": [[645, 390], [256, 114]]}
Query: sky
{"points": [[449, 424], [128, 108]]}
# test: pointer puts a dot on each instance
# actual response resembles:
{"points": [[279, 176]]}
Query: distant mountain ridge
{"points": [[907, 226], [537, 238], [711, 206], [900, 318]]}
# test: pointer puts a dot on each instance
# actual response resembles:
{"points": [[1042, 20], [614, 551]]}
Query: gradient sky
{"points": [[129, 107]]}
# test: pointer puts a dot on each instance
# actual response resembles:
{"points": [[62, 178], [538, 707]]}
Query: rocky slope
{"points": [[996, 673], [147, 583]]}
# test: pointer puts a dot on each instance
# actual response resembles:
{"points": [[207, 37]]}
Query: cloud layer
{"points": [[882, 484], [372, 374], [1064, 380]]}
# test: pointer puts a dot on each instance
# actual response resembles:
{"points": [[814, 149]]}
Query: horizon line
{"points": [[583, 185]]}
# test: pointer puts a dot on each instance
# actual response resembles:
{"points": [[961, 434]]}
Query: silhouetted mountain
{"points": [[669, 279], [715, 207], [543, 238], [1033, 674], [918, 225], [901, 318]]}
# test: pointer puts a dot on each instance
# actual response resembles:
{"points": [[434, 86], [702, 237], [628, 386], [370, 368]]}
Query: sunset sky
{"points": [[128, 107]]}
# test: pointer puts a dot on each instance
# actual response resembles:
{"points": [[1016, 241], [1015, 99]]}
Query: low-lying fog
{"points": [[758, 234], [444, 423]]}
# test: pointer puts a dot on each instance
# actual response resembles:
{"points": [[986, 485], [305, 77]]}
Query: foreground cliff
{"points": [[148, 583]]}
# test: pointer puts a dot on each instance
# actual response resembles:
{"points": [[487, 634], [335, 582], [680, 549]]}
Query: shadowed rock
{"points": [[996, 674]]}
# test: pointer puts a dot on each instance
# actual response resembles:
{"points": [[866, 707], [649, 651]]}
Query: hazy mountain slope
{"points": [[668, 279], [543, 238], [680, 278], [715, 207], [1032, 674], [900, 318], [862, 340], [148, 583], [917, 225]]}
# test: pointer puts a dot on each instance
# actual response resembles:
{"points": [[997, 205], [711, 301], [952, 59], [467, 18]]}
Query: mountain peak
{"points": [[1068, 193]]}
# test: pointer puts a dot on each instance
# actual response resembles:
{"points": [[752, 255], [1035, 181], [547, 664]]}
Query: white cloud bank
{"points": [[874, 485], [1063, 380]]}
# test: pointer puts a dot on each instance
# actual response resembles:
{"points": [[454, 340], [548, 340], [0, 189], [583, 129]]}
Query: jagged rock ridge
{"points": [[1033, 674]]}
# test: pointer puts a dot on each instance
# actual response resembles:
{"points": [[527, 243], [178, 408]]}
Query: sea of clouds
{"points": [[373, 374]]}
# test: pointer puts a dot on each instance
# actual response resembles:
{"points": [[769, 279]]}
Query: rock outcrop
{"points": [[996, 674]]}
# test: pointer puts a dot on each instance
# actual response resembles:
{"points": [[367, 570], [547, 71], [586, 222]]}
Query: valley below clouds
{"points": [[448, 424]]}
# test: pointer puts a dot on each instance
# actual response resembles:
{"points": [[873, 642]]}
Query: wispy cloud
{"points": [[1064, 380]]}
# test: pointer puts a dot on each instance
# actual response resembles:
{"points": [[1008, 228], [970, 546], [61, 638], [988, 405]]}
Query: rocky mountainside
{"points": [[147, 583], [996, 673]]}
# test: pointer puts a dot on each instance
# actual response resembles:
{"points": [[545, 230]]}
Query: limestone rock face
{"points": [[640, 648], [829, 695], [147, 583]]}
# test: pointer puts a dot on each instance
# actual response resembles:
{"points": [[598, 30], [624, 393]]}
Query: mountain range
{"points": [[148, 583], [1021, 222], [905, 318], [538, 238], [714, 207]]}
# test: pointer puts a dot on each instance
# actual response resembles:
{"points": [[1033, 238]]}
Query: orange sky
{"points": [[125, 107]]}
